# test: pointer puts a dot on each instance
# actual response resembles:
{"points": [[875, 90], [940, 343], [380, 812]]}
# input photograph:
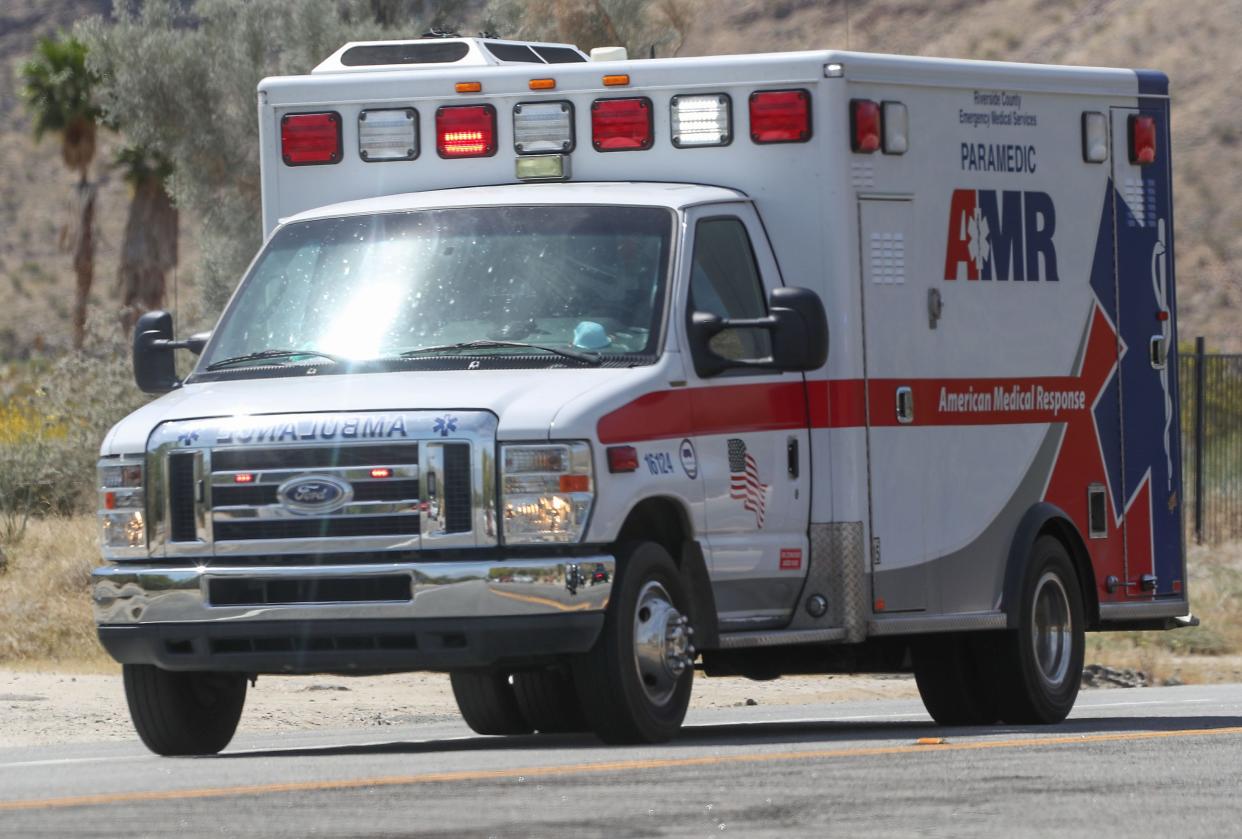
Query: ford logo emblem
{"points": [[311, 494]]}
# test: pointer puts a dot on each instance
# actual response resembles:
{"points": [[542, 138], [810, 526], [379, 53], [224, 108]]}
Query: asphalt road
{"points": [[1145, 762]]}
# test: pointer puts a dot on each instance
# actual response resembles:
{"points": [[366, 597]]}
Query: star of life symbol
{"points": [[979, 246], [744, 483], [187, 438], [445, 424]]}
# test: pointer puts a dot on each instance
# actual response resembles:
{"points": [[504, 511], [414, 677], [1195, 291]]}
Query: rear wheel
{"points": [[1039, 666], [635, 684], [549, 701], [487, 702], [953, 679], [183, 713]]}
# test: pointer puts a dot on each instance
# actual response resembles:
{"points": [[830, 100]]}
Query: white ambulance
{"points": [[571, 377]]}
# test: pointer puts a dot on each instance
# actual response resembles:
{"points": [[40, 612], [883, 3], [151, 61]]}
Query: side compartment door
{"points": [[896, 453], [1151, 451], [752, 440]]}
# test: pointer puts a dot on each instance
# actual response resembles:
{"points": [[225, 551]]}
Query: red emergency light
{"points": [[381, 472], [466, 131], [780, 116], [310, 139], [865, 126], [1142, 139], [621, 124]]}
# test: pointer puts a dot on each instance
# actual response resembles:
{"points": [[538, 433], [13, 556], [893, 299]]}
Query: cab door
{"points": [[751, 440]]}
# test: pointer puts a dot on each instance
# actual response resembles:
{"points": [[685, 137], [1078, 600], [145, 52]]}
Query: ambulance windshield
{"points": [[472, 282]]}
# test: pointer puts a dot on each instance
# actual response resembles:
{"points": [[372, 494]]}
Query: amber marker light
{"points": [[617, 80], [469, 87], [543, 84]]}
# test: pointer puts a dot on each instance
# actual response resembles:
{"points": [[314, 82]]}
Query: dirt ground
{"points": [[41, 707]]}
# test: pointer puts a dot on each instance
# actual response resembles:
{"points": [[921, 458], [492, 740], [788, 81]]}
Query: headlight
{"points": [[122, 509], [546, 492]]}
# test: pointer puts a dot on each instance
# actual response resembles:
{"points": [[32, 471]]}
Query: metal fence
{"points": [[1211, 397]]}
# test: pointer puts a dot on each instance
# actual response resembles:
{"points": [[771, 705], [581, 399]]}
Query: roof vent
{"points": [[609, 54], [364, 56]]}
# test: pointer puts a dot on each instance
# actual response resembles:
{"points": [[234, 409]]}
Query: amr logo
{"points": [[1001, 236]]}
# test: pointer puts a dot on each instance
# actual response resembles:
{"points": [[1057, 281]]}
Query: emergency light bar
{"points": [[466, 131], [390, 134], [1094, 137], [780, 116], [701, 120], [621, 124], [1142, 139], [542, 127], [310, 139], [864, 126]]}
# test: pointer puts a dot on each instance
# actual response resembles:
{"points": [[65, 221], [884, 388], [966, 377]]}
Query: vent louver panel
{"points": [[457, 488], [182, 519]]}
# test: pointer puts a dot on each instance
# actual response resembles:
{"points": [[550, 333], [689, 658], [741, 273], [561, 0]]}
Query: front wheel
{"points": [[1039, 666], [183, 713], [635, 683], [487, 702]]}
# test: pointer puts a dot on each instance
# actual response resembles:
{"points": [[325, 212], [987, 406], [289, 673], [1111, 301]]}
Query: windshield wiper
{"points": [[270, 355], [486, 343]]}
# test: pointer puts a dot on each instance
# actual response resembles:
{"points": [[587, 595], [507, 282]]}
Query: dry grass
{"points": [[45, 604], [45, 612]]}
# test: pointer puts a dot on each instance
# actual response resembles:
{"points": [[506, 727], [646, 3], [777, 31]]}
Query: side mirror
{"points": [[796, 322], [155, 369]]}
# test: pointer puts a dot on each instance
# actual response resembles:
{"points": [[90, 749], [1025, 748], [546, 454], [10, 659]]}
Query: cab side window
{"points": [[724, 281]]}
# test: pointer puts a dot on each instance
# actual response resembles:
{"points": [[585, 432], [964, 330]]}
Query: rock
{"points": [[1102, 676], [750, 701], [1173, 682], [324, 687]]}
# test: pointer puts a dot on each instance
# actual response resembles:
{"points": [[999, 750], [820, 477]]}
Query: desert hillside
{"points": [[1195, 42]]}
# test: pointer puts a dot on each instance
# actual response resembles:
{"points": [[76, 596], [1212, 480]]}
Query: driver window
{"points": [[724, 281]]}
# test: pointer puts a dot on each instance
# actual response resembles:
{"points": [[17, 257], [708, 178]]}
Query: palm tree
{"points": [[59, 92], [149, 250]]}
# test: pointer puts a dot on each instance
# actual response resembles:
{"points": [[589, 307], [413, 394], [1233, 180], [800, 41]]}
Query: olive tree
{"points": [[181, 78]]}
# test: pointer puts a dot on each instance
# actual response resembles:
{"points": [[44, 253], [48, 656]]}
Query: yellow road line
{"points": [[585, 768], [544, 601]]}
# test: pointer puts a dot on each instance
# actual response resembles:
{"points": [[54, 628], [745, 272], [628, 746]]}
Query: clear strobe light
{"points": [[543, 127], [701, 120], [389, 134]]}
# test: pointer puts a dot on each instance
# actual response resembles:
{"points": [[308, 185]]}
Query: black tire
{"points": [[487, 702], [549, 701], [183, 713], [954, 680], [1038, 671], [620, 705]]}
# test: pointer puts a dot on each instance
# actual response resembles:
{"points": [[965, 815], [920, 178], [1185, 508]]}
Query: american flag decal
{"points": [[744, 483]]}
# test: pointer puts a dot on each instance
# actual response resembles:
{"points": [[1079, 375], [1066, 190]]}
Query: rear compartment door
{"points": [[1151, 453]]}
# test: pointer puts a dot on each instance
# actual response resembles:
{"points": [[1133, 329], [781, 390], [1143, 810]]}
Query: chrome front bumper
{"points": [[133, 594]]}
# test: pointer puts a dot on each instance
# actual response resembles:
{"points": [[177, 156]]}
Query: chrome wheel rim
{"points": [[662, 648], [1052, 630]]}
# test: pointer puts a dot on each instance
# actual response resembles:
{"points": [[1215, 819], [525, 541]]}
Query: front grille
{"points": [[311, 528], [315, 457], [251, 592], [181, 524], [253, 496], [378, 506]]}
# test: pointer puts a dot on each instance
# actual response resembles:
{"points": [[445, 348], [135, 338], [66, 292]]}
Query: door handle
{"points": [[791, 454], [905, 405]]}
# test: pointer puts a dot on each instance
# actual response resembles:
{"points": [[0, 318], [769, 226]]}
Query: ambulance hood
{"points": [[526, 402]]}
